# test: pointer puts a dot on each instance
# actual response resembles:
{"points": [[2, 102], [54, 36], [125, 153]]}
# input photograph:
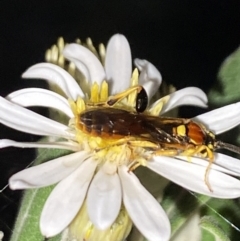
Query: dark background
{"points": [[186, 40]]}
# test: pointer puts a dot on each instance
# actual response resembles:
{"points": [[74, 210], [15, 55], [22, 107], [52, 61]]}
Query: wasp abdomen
{"points": [[195, 133], [105, 121], [117, 123]]}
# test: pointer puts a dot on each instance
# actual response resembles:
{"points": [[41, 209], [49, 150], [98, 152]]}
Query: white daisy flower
{"points": [[100, 169]]}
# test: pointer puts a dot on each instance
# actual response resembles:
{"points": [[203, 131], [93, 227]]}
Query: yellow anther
{"points": [[80, 105], [71, 68], [104, 91], [48, 55], [102, 53], [95, 93], [134, 82], [61, 61], [156, 109], [73, 106], [134, 78], [60, 44], [88, 232], [90, 46], [54, 54]]}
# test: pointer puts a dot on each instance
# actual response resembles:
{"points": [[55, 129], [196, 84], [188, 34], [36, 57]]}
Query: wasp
{"points": [[162, 135]]}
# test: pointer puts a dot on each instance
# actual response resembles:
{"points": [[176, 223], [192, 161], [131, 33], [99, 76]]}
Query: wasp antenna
{"points": [[227, 146], [118, 97]]}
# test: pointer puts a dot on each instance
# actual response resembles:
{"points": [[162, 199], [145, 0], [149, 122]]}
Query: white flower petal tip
{"points": [[228, 162], [150, 78], [6, 143], [144, 210], [222, 163], [66, 199], [24, 120], [192, 176], [86, 62], [222, 119], [47, 173], [104, 199], [118, 63], [55, 75], [187, 96], [72, 146], [40, 97]]}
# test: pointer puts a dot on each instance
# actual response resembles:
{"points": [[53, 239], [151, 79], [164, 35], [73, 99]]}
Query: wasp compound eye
{"points": [[141, 101]]}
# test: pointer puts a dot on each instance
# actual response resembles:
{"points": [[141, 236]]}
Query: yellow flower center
{"points": [[82, 228]]}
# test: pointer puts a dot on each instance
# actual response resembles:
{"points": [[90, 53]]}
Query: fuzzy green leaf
{"points": [[213, 230], [27, 222], [226, 90]]}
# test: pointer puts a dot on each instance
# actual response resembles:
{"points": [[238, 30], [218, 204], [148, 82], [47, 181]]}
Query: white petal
{"points": [[72, 146], [118, 63], [221, 119], [47, 173], [228, 162], [66, 199], [215, 165], [22, 119], [86, 62], [187, 96], [55, 75], [40, 97], [145, 212], [150, 78], [104, 199], [192, 176]]}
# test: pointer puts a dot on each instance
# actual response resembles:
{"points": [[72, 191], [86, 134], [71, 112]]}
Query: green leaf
{"points": [[226, 215], [226, 90], [184, 207], [181, 207], [27, 222], [212, 229]]}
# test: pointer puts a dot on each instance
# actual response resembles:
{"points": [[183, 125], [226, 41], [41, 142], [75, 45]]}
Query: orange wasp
{"points": [[168, 136]]}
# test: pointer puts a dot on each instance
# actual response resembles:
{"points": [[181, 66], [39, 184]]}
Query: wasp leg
{"points": [[133, 143], [206, 176], [211, 159], [133, 166], [170, 152], [136, 163], [202, 150], [119, 142], [116, 98], [144, 144], [112, 100], [205, 152]]}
